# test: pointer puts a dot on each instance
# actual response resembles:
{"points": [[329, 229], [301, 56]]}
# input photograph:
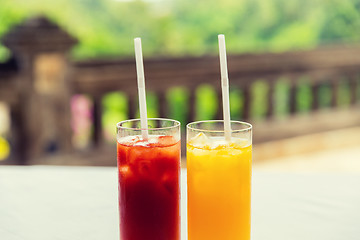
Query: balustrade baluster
{"points": [[219, 112], [191, 104], [315, 96], [131, 106], [334, 92], [97, 113], [292, 96], [161, 95], [20, 136], [247, 99], [270, 97], [353, 89]]}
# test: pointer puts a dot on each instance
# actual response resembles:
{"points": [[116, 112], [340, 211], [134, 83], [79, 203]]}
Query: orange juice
{"points": [[219, 189]]}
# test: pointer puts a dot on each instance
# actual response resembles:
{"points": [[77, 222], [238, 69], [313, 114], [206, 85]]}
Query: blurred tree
{"points": [[9, 15], [187, 27], [342, 22]]}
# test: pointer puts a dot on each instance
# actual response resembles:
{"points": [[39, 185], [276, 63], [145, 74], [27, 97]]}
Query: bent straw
{"points": [[141, 88], [224, 87]]}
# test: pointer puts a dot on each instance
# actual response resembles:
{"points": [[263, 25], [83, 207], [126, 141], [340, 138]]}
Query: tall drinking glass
{"points": [[219, 181], [149, 171]]}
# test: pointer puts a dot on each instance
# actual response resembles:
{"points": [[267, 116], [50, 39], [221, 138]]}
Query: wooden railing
{"points": [[326, 66]]}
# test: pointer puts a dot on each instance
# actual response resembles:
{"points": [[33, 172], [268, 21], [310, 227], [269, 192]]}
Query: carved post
{"points": [[40, 47]]}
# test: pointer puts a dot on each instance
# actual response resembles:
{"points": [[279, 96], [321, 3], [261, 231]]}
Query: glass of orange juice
{"points": [[219, 181]]}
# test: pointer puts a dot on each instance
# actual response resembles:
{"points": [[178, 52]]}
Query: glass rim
{"points": [[248, 128], [177, 124]]}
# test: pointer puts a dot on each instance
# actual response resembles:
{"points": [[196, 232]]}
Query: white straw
{"points": [[141, 88], [224, 87]]}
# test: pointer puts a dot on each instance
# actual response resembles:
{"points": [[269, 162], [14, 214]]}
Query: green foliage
{"points": [[281, 97], [178, 105], [10, 14], [325, 93], [303, 95], [236, 104], [152, 105], [187, 27], [4, 54], [342, 21], [259, 98], [206, 102], [343, 94], [115, 109]]}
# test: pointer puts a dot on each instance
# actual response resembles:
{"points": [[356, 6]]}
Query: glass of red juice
{"points": [[149, 176]]}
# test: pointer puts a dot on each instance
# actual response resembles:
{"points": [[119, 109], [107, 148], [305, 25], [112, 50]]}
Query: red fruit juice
{"points": [[149, 192]]}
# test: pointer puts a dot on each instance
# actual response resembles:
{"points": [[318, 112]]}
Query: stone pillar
{"points": [[41, 49]]}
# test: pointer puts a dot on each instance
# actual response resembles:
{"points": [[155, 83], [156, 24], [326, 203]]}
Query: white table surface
{"points": [[80, 203]]}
